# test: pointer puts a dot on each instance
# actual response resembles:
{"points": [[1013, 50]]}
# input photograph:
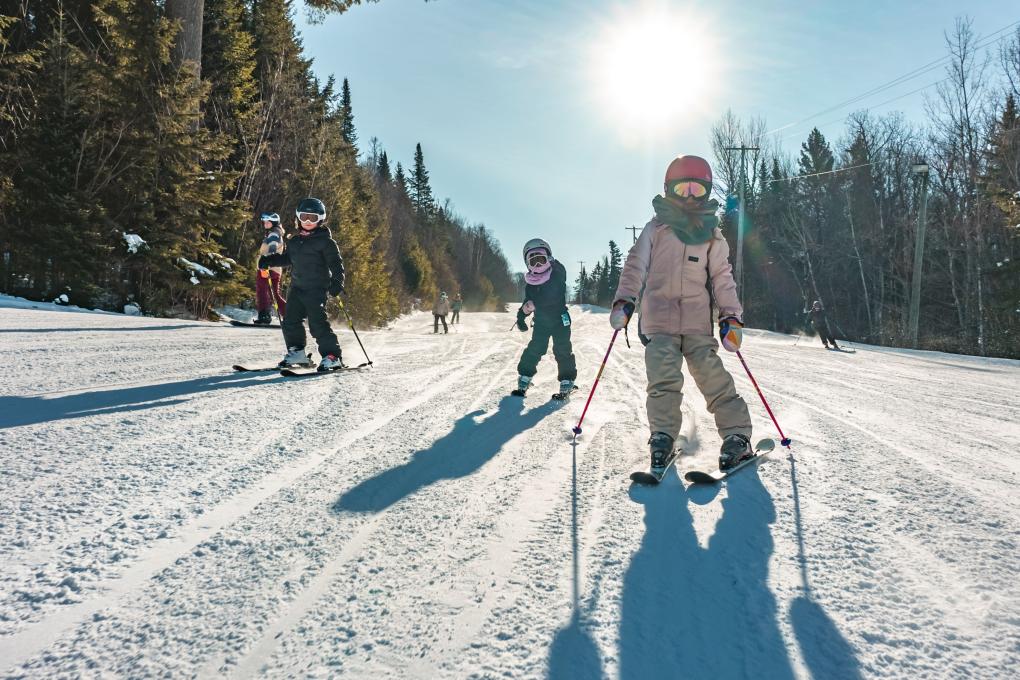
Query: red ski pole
{"points": [[785, 441], [577, 428]]}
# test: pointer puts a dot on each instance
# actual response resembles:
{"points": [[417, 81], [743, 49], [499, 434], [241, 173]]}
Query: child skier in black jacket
{"points": [[316, 270], [546, 296]]}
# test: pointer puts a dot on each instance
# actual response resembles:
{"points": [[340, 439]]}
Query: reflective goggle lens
{"points": [[537, 259], [689, 189], [309, 217]]}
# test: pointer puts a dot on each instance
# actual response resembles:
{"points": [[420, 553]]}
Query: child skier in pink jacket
{"points": [[680, 254]]}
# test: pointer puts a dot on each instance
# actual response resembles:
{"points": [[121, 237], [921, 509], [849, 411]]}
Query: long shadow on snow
{"points": [[464, 450], [573, 654], [826, 652], [105, 329], [17, 411], [693, 612]]}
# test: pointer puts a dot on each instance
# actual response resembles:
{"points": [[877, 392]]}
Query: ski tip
{"points": [[644, 478], [698, 477]]}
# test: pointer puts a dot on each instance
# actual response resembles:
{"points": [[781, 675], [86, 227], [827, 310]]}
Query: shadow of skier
{"points": [[18, 411], [463, 451], [692, 612]]}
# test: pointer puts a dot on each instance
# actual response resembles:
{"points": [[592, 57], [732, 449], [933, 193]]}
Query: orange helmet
{"points": [[688, 167]]}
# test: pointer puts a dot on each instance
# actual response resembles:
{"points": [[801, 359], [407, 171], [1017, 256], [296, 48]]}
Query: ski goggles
{"points": [[688, 188], [312, 218], [270, 217], [537, 259]]}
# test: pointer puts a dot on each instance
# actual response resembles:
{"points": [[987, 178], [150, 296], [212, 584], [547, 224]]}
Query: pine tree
{"points": [[421, 192], [350, 136], [615, 267], [383, 168]]}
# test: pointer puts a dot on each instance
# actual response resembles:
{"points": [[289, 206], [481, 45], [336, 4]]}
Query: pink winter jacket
{"points": [[671, 278]]}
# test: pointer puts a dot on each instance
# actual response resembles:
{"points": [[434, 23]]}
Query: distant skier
{"points": [[316, 271], [821, 324], [681, 252], [267, 283], [439, 311], [456, 306], [545, 295]]}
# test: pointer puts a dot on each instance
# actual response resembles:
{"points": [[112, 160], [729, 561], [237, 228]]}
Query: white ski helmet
{"points": [[534, 244]]}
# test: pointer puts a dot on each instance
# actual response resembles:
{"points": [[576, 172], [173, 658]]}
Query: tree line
{"points": [[134, 163], [838, 223]]}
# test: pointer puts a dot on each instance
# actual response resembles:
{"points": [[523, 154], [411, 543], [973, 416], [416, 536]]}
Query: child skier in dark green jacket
{"points": [[546, 296], [316, 270]]}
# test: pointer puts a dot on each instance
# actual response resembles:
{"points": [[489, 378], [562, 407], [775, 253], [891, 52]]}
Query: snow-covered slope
{"points": [[161, 515]]}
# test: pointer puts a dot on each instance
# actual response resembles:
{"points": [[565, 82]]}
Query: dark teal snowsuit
{"points": [[316, 269], [551, 321]]}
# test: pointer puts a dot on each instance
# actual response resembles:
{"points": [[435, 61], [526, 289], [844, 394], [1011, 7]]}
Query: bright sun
{"points": [[655, 69]]}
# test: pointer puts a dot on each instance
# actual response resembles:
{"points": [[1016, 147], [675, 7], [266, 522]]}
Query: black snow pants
{"points": [[825, 333], [310, 304], [544, 330]]}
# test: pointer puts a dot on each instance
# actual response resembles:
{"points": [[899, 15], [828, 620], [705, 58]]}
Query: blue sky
{"points": [[507, 96]]}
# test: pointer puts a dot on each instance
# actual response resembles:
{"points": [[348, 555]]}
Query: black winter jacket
{"points": [[314, 260], [549, 298]]}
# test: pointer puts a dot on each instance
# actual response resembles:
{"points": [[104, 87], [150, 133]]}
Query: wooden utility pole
{"points": [[740, 215], [920, 169], [633, 232]]}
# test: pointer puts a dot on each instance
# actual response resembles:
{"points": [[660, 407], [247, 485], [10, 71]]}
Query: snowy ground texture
{"points": [[163, 516]]}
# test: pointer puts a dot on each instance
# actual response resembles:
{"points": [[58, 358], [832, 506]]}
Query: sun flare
{"points": [[655, 69]]}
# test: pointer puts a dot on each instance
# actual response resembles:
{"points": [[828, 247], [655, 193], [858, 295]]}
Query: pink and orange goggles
{"points": [[688, 188]]}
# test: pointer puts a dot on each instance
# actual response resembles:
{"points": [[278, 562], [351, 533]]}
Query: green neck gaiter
{"points": [[690, 226]]}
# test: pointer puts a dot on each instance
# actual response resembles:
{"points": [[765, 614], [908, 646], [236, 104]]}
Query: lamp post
{"points": [[920, 169]]}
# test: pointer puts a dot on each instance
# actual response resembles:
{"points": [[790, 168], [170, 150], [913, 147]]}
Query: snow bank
{"points": [[134, 242]]}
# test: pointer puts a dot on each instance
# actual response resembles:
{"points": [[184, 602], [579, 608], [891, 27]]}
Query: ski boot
{"points": [[566, 389], [296, 357], [660, 445], [264, 318], [330, 362], [523, 383], [735, 448]]}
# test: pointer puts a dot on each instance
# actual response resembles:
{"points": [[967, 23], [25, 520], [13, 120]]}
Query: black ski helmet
{"points": [[312, 205]]}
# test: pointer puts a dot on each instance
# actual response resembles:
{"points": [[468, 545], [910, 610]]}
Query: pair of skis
{"points": [[246, 324], [655, 475], [298, 372], [558, 396]]}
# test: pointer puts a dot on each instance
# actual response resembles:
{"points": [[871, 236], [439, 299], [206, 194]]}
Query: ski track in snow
{"points": [[163, 516]]}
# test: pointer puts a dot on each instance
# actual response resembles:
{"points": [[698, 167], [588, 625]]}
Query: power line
{"points": [[819, 174], [930, 66], [873, 106]]}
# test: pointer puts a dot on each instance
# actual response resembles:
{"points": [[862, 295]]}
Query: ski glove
{"points": [[730, 333], [522, 321], [528, 307], [622, 311]]}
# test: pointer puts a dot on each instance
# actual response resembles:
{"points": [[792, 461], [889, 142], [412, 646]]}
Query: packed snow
{"points": [[161, 515]]}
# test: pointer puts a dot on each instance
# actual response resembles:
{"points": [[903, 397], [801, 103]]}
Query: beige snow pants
{"points": [[664, 357]]}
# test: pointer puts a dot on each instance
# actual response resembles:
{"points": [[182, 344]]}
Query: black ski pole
{"points": [[368, 362]]}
